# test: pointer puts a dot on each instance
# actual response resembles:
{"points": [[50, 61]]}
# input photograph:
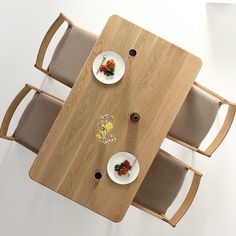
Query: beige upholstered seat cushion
{"points": [[70, 55], [162, 184], [36, 121], [195, 118]]}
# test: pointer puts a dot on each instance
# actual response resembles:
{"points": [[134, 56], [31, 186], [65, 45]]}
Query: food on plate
{"points": [[108, 68], [123, 168]]}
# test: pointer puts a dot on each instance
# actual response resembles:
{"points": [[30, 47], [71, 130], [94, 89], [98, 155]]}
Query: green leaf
{"points": [[117, 167]]}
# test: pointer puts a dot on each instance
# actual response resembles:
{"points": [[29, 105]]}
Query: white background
{"points": [[28, 209]]}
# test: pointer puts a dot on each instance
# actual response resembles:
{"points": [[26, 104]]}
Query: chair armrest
{"points": [[187, 201], [223, 131], [206, 90], [47, 39], [142, 208], [10, 112], [52, 96], [44, 92]]}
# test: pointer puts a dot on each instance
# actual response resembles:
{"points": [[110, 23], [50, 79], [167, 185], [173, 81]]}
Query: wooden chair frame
{"points": [[224, 128], [47, 39], [13, 106], [187, 201]]}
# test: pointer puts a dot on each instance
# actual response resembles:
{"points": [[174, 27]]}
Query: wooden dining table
{"points": [[154, 85]]}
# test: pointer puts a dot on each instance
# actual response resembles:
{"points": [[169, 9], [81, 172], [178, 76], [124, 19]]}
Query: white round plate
{"points": [[119, 68], [118, 158]]}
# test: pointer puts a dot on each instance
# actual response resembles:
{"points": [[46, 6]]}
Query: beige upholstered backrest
{"points": [[36, 121], [162, 184], [195, 118], [71, 54]]}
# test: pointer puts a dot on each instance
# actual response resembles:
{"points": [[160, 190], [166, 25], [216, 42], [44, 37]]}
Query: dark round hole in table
{"points": [[98, 175], [135, 117], [132, 52]]}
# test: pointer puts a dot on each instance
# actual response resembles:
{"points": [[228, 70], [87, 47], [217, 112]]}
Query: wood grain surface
{"points": [[155, 84]]}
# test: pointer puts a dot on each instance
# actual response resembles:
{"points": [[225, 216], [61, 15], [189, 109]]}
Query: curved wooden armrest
{"points": [[142, 208], [223, 131], [210, 92], [10, 112], [187, 201], [47, 39]]}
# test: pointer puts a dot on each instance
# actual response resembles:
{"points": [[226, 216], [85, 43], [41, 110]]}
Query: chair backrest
{"points": [[197, 116], [36, 120], [161, 186], [70, 54]]}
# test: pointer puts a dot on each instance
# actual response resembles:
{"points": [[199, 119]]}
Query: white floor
{"points": [[26, 208]]}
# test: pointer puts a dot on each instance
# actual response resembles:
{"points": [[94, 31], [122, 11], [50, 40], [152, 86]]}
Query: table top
{"points": [[155, 84]]}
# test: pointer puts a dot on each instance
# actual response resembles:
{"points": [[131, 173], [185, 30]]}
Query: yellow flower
{"points": [[98, 136], [103, 131], [108, 126]]}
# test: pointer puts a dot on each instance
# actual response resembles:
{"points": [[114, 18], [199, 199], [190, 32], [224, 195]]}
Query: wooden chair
{"points": [[197, 116], [70, 54], [36, 120], [161, 186]]}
